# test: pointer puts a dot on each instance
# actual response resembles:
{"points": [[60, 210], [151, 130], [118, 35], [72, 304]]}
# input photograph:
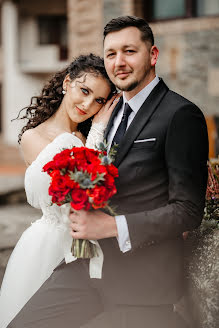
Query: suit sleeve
{"points": [[186, 154]]}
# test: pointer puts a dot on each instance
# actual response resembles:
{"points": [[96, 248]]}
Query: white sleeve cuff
{"points": [[123, 233]]}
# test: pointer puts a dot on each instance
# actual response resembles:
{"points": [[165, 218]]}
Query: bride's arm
{"points": [[95, 135], [31, 145], [99, 124]]}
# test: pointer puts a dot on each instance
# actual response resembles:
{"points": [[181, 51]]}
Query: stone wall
{"points": [[114, 8], [85, 26], [189, 48], [86, 20], [189, 59]]}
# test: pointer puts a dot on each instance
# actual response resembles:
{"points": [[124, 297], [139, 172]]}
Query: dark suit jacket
{"points": [[161, 191]]}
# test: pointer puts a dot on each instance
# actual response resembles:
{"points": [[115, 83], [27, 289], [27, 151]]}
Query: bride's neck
{"points": [[61, 121]]}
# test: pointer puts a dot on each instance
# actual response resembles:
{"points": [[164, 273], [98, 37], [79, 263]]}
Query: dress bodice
{"points": [[37, 182]]}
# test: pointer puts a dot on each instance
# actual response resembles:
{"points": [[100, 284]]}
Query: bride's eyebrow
{"points": [[85, 86]]}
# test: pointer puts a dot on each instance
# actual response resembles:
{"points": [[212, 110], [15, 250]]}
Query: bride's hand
{"points": [[105, 112]]}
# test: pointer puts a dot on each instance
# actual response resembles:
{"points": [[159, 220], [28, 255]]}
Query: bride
{"points": [[61, 117]]}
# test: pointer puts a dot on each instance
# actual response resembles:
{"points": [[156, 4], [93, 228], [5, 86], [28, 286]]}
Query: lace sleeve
{"points": [[95, 135]]}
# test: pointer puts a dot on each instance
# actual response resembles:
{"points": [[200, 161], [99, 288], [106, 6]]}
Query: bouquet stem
{"points": [[83, 249]]}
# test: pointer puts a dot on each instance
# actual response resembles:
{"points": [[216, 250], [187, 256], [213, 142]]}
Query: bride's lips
{"points": [[80, 111]]}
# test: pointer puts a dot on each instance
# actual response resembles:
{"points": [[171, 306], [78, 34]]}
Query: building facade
{"points": [[41, 37]]}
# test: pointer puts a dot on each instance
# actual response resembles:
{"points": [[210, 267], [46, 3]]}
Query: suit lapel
{"points": [[141, 119], [114, 113]]}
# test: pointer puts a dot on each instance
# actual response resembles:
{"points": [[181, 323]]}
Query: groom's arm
{"points": [[186, 154]]}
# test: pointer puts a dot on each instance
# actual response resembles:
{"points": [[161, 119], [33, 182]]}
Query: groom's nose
{"points": [[120, 60]]}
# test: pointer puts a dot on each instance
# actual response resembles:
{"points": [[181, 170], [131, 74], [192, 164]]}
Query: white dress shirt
{"points": [[135, 103]]}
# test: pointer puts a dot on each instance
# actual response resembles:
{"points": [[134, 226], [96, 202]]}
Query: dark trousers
{"points": [[70, 299]]}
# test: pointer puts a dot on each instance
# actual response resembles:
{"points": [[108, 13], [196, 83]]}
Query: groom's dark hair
{"points": [[119, 23]]}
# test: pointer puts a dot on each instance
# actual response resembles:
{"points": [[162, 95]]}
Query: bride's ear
{"points": [[66, 82]]}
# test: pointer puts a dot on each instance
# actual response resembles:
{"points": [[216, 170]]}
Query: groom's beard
{"points": [[129, 87], [132, 84]]}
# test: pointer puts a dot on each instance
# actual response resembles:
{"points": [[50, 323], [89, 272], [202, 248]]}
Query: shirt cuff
{"points": [[123, 233]]}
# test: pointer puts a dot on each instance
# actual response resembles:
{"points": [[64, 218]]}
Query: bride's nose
{"points": [[87, 102]]}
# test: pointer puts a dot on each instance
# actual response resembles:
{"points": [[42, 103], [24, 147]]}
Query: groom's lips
{"points": [[122, 74], [80, 111]]}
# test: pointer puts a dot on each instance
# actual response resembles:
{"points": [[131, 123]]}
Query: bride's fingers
{"points": [[111, 104], [105, 112]]}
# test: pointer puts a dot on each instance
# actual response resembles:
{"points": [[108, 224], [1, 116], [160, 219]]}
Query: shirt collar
{"points": [[137, 101]]}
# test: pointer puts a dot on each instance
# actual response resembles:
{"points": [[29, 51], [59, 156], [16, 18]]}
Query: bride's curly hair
{"points": [[44, 106]]}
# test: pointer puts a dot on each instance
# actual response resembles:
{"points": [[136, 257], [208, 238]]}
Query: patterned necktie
{"points": [[123, 125]]}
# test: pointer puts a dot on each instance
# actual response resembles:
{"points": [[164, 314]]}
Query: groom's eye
{"points": [[85, 91], [129, 51], [110, 54]]}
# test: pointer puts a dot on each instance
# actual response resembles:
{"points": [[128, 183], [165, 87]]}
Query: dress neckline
{"points": [[55, 139]]}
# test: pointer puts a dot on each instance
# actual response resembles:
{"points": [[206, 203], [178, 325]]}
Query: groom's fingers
{"points": [[75, 215], [74, 227], [77, 235]]}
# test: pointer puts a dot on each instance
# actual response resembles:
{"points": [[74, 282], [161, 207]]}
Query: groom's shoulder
{"points": [[178, 99], [175, 102]]}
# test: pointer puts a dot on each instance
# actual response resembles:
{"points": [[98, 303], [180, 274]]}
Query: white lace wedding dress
{"points": [[47, 241]]}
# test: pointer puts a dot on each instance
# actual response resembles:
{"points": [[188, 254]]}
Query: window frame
{"points": [[63, 49], [191, 12]]}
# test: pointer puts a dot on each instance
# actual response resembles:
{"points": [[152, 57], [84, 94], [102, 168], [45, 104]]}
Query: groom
{"points": [[162, 161], [162, 157]]}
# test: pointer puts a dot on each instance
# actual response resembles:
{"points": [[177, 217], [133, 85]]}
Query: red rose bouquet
{"points": [[85, 178]]}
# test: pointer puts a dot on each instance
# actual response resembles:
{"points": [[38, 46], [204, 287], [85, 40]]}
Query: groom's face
{"points": [[128, 60]]}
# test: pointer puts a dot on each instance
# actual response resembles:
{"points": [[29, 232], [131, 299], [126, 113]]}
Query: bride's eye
{"points": [[101, 101], [85, 91]]}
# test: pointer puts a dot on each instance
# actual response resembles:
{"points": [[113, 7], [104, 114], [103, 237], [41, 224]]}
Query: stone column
{"points": [[9, 21], [85, 27], [128, 7]]}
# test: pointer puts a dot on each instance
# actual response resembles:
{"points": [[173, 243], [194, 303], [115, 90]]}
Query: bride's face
{"points": [[84, 96]]}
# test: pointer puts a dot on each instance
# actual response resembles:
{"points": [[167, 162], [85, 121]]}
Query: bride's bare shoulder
{"points": [[32, 143]]}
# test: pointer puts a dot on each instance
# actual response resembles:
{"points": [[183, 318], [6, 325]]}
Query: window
{"points": [[207, 7], [168, 8], [53, 30], [173, 9]]}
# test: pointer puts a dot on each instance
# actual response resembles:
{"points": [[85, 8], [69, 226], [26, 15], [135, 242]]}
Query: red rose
{"points": [[79, 153], [109, 181], [112, 191], [94, 168], [101, 169], [81, 164], [62, 159], [71, 183], [79, 199], [100, 195], [112, 170], [49, 167], [58, 197], [63, 154], [58, 180], [92, 156], [71, 164]]}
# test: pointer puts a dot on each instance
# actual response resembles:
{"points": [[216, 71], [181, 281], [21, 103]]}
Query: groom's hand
{"points": [[92, 225]]}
